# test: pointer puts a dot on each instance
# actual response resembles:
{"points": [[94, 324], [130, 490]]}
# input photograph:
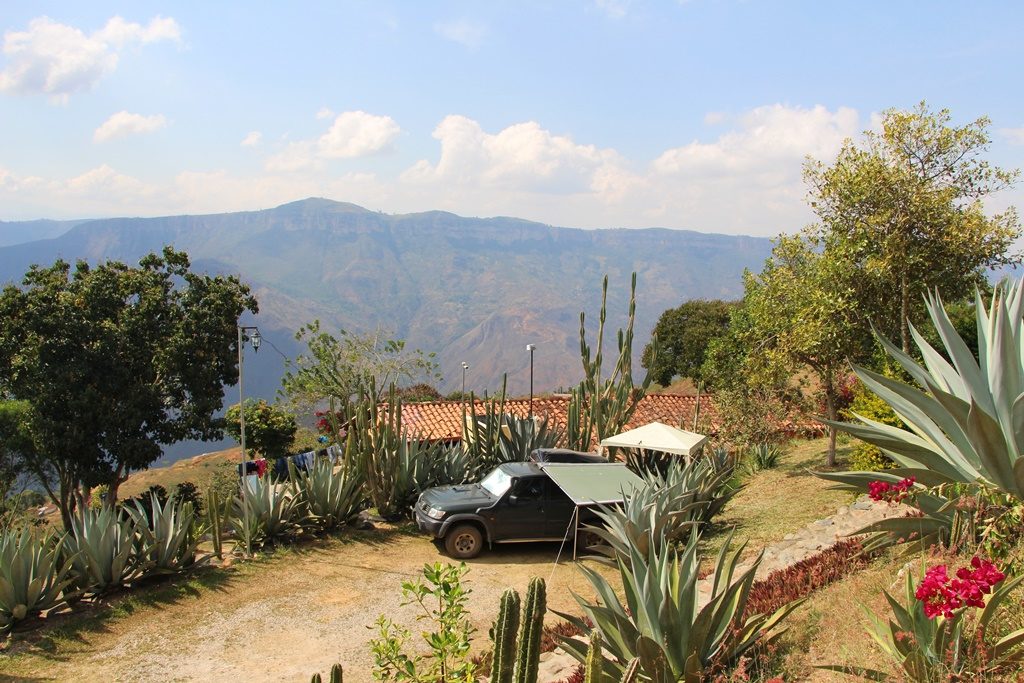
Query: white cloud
{"points": [[123, 124], [58, 60], [463, 31], [1014, 135], [324, 113], [357, 134], [253, 139], [352, 135]]}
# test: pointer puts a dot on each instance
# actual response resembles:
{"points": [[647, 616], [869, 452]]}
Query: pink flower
{"points": [[941, 595]]}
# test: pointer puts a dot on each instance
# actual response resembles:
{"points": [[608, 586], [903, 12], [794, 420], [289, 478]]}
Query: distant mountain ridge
{"points": [[470, 289]]}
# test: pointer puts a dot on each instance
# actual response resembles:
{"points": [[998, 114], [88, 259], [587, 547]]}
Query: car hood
{"points": [[453, 498]]}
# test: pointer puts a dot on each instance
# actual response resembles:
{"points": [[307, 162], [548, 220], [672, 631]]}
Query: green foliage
{"points": [[600, 406], [419, 393], [32, 574], [168, 538], [493, 437], [762, 456], [269, 429], [217, 508], [16, 444], [904, 209], [666, 510], [660, 623], [105, 550], [957, 648], [683, 335], [339, 367], [117, 361], [329, 498], [266, 512], [442, 601]]}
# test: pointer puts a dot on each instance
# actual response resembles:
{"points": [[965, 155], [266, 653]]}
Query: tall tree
{"points": [[905, 207], [117, 361], [803, 315], [684, 334]]}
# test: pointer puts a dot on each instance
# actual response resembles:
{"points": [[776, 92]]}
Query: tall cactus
{"points": [[336, 675], [517, 655], [601, 407], [504, 636], [528, 649], [594, 666]]}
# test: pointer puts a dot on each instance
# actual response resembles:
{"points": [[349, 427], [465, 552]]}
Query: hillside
{"points": [[470, 289]]}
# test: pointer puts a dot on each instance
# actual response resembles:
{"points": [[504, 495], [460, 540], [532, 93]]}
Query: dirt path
{"points": [[298, 614]]}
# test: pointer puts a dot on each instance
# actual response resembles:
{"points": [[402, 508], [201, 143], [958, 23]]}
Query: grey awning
{"points": [[591, 484]]}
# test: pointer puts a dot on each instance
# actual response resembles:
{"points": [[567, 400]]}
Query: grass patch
{"points": [[778, 501]]}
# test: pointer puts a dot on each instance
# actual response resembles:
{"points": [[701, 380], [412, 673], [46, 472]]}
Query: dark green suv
{"points": [[516, 502]]}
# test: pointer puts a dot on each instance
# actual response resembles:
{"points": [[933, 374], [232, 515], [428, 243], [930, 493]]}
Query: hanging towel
{"points": [[261, 467]]}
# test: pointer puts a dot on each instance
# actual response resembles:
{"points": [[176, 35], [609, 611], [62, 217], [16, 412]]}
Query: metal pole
{"points": [[530, 348], [241, 422]]}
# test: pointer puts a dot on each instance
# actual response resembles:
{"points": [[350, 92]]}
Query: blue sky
{"points": [[692, 114]]}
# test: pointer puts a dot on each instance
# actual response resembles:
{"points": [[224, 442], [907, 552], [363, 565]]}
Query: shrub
{"points": [[33, 574], [868, 404], [762, 456]]}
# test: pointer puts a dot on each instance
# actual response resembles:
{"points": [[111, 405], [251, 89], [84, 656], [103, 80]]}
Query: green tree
{"points": [[117, 361], [804, 315], [16, 443], [335, 368], [269, 429], [905, 208], [684, 334]]}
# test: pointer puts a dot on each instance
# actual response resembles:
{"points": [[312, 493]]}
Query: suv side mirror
{"points": [[513, 499]]}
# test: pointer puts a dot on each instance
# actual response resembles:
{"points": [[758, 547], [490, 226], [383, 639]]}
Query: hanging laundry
{"points": [[261, 467]]}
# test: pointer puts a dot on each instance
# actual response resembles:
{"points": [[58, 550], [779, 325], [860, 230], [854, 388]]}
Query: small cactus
{"points": [[528, 650], [336, 675], [504, 636]]}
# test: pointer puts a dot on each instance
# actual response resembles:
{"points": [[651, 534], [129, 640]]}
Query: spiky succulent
{"points": [[32, 574]]}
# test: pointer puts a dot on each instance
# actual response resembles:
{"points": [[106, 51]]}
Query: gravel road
{"points": [[299, 614]]}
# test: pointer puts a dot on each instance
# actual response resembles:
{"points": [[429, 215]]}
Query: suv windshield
{"points": [[497, 482]]}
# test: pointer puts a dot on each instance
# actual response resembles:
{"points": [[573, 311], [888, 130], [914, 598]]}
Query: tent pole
{"points": [[576, 532]]}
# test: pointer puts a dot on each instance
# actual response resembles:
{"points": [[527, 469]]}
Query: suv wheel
{"points": [[464, 542]]}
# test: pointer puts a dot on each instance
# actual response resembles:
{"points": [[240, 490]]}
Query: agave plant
{"points": [[169, 535], [451, 466], [762, 456], [965, 416], [106, 550], [662, 623], [329, 498], [32, 575], [520, 436], [267, 511], [665, 510]]}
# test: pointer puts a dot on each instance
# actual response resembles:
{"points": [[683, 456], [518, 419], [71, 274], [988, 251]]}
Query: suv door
{"points": [[523, 518], [558, 510]]}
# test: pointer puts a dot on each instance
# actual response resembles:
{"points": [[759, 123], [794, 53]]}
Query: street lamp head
{"points": [[256, 339], [531, 347], [465, 365]]}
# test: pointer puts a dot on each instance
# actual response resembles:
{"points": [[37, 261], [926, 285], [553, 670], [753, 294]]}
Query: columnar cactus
{"points": [[336, 675], [528, 649], [504, 636], [599, 408], [594, 666]]}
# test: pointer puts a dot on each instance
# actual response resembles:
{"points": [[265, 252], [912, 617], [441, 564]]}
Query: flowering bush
{"points": [[941, 595], [893, 493]]}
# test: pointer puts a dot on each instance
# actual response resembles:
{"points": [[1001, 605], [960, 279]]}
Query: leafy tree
{"points": [[116, 361], [905, 209], [684, 334], [16, 443], [269, 429], [335, 368]]}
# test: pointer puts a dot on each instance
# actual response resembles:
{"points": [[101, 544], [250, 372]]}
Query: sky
{"points": [[693, 114]]}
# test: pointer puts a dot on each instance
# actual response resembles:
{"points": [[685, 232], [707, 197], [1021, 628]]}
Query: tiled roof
{"points": [[442, 420]]}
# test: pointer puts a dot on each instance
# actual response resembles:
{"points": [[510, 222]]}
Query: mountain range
{"points": [[476, 290]]}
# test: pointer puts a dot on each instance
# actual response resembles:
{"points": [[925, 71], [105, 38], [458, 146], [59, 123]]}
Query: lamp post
{"points": [[465, 366], [531, 348], [254, 339]]}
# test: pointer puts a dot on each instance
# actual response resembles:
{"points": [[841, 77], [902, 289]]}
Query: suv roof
{"points": [[521, 469], [564, 455]]}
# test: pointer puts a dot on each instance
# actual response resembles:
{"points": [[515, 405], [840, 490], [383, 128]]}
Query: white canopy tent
{"points": [[658, 437]]}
